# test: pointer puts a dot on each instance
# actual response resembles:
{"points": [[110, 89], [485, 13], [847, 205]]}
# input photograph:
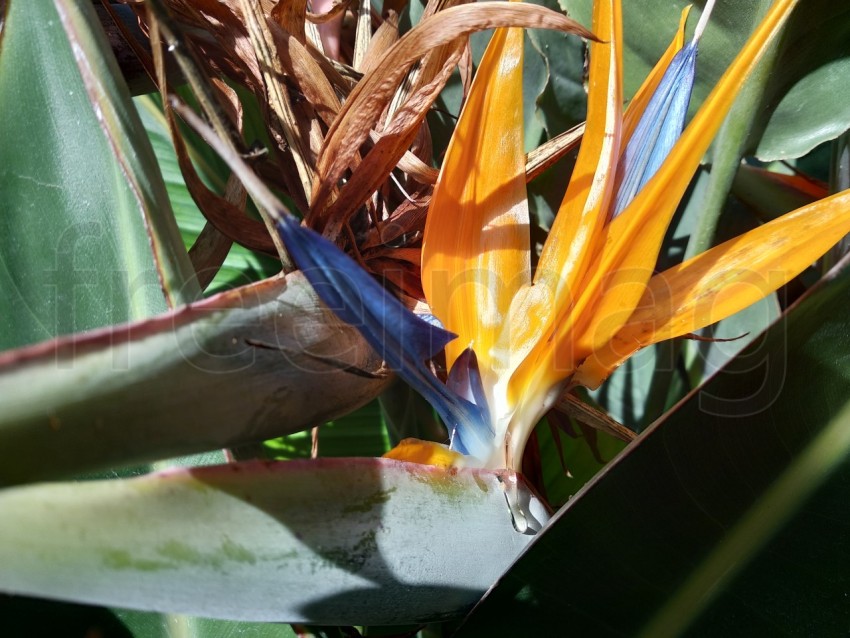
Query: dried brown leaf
{"points": [[465, 68], [295, 130], [551, 151], [385, 36], [404, 224], [366, 103], [208, 253], [224, 216], [216, 29], [415, 167], [307, 74], [363, 34], [290, 15], [387, 151]]}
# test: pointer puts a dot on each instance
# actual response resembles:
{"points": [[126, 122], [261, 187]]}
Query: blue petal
{"points": [[465, 381], [659, 127], [403, 340]]}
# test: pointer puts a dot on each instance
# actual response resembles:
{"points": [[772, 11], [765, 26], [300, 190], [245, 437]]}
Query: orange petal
{"points": [[634, 238], [576, 235], [425, 453], [476, 249], [578, 227], [724, 280]]}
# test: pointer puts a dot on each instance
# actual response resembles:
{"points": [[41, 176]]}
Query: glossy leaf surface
{"points": [[241, 266], [81, 192]]}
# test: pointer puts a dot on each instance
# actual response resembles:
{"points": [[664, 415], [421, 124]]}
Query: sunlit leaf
{"points": [[241, 266], [82, 196], [331, 541]]}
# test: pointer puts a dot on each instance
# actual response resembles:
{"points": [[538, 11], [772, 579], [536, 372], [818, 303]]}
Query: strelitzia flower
{"points": [[516, 337]]}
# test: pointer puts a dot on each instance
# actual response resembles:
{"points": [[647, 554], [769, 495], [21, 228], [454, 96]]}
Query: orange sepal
{"points": [[634, 238], [724, 280], [425, 453], [476, 248], [578, 228]]}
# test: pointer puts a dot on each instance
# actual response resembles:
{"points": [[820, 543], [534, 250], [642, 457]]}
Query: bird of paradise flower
{"points": [[515, 339]]}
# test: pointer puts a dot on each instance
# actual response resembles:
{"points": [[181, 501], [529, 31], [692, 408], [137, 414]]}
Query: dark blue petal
{"points": [[659, 127], [403, 340], [465, 381]]}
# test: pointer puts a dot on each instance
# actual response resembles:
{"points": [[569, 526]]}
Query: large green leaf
{"points": [[154, 625], [83, 203], [729, 512], [243, 366], [336, 541]]}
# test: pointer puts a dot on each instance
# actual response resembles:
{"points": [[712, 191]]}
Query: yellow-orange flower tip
{"points": [[426, 453]]}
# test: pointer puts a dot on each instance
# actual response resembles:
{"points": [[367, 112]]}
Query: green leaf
{"points": [[152, 625], [82, 200], [726, 152], [24, 616], [241, 266], [767, 197], [625, 395], [806, 98], [30, 617], [359, 433], [563, 102], [334, 541], [408, 415], [729, 512], [580, 461], [705, 358], [247, 365]]}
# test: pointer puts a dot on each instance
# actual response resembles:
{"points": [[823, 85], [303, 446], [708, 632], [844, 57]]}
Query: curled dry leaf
{"points": [[308, 75], [368, 100], [384, 37], [391, 145], [572, 406], [335, 11], [221, 213], [294, 129], [290, 15]]}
